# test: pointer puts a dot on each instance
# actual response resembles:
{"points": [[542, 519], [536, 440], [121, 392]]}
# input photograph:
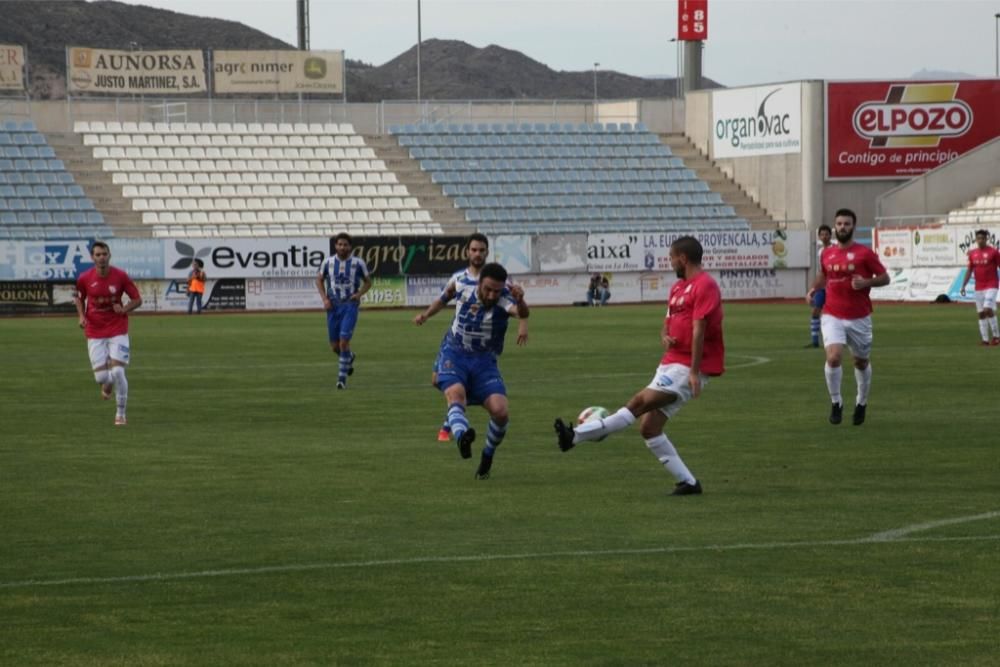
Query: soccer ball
{"points": [[592, 413]]}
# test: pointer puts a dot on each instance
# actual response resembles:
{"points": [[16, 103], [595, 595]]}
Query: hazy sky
{"points": [[750, 41]]}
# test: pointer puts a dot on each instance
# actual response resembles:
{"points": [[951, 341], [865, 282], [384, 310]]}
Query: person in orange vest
{"points": [[196, 286]]}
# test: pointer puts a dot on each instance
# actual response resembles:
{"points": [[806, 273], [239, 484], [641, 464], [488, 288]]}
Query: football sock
{"points": [[345, 364], [494, 436], [864, 379], [833, 376], [103, 377], [984, 330], [665, 452], [599, 428], [994, 327], [446, 426], [121, 388], [814, 330], [457, 421]]}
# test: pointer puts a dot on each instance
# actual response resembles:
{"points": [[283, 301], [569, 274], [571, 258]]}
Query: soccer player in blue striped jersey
{"points": [[477, 249], [342, 281], [467, 371]]}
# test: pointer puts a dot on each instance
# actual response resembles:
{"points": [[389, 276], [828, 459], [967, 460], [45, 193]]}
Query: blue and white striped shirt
{"points": [[343, 277], [479, 329]]}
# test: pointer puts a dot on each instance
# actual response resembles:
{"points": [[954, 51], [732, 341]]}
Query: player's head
{"points": [[684, 252], [100, 253], [478, 248], [844, 221], [492, 278], [342, 245], [824, 234], [982, 238], [198, 264]]}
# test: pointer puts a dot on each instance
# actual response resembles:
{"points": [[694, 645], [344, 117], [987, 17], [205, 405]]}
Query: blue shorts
{"points": [[437, 360], [476, 371], [341, 320], [819, 298]]}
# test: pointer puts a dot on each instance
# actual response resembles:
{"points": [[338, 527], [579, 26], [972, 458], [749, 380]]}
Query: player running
{"points": [[984, 262]]}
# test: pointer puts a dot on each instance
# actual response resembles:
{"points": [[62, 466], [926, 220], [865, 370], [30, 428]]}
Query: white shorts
{"points": [[856, 334], [100, 349], [986, 298], [674, 379]]}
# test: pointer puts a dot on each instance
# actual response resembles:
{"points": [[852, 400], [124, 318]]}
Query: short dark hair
{"points": [[824, 228], [494, 271], [848, 213], [477, 236], [99, 244], [689, 247], [343, 235], [200, 264], [982, 232]]}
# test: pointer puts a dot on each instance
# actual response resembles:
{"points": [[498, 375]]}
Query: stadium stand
{"points": [[39, 199], [985, 209], [562, 177], [270, 179]]}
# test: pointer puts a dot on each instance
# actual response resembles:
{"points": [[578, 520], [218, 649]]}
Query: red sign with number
{"points": [[692, 20]]}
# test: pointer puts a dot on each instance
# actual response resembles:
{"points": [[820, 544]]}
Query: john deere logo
{"points": [[315, 68]]}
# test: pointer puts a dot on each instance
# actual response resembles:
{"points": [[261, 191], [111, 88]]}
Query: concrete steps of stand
{"points": [[707, 170]]}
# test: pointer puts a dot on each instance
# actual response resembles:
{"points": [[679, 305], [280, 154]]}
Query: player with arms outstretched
{"points": [[468, 373]]}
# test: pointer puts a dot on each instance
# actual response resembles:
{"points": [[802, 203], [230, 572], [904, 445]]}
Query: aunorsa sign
{"points": [[901, 129], [135, 72]]}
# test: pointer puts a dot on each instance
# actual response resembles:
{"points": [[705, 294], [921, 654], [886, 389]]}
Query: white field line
{"points": [[480, 558], [897, 533]]}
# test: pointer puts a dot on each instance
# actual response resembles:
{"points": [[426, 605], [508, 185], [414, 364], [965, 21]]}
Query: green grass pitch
{"points": [[252, 514]]}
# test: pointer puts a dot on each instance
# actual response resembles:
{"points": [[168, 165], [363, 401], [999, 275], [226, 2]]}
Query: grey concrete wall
{"points": [[948, 187]]}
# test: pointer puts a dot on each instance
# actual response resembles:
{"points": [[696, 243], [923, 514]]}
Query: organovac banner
{"points": [[900, 129], [269, 72], [135, 72], [764, 120], [11, 67]]}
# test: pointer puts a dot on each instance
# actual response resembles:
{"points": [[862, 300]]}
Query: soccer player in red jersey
{"points": [[693, 352], [848, 272], [104, 320], [984, 262]]}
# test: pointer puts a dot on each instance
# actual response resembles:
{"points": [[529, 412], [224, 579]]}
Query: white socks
{"points": [[600, 428], [121, 388], [833, 377], [864, 379], [994, 327], [984, 330], [665, 452], [103, 377]]}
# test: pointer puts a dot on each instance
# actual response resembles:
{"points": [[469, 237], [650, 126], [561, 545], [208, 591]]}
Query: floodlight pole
{"points": [[419, 39], [996, 45]]}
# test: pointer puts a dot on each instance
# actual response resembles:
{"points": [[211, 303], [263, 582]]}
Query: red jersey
{"points": [[100, 294], [840, 265], [691, 300], [984, 264]]}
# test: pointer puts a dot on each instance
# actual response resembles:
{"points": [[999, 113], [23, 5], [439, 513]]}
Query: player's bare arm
{"points": [[818, 284], [522, 332], [968, 274], [665, 337], [80, 309], [366, 284], [125, 309], [859, 283], [697, 347], [437, 305], [322, 292]]}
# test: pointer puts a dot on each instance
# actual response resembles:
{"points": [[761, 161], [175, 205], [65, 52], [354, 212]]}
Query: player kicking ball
{"points": [[693, 352]]}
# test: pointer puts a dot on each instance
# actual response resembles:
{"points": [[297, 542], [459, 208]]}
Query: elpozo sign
{"points": [[271, 72], [135, 72], [11, 67], [764, 120]]}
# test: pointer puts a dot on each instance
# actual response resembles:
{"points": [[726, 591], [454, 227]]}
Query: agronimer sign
{"points": [[765, 120], [270, 72]]}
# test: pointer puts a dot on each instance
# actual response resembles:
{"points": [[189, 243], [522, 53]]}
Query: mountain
{"points": [[449, 69]]}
